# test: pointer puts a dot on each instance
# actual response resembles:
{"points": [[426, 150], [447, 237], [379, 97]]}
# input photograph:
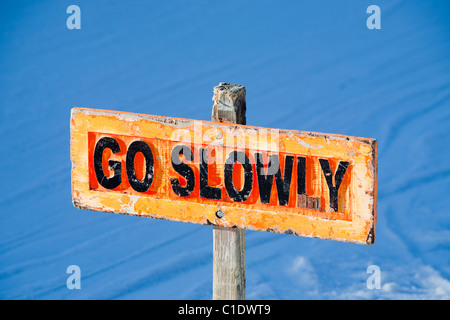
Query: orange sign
{"points": [[302, 183]]}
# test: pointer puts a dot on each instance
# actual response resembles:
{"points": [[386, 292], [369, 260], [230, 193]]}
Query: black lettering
{"points": [[284, 183], [116, 180], [135, 183], [207, 191], [338, 177], [301, 175], [183, 169], [240, 157], [265, 182]]}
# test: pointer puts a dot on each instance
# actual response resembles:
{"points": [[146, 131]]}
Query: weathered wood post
{"points": [[229, 243]]}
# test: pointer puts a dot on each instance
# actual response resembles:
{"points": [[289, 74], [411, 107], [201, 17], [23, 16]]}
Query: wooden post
{"points": [[229, 243]]}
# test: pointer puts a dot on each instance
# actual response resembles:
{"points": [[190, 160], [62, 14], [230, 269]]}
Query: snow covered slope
{"points": [[311, 66]]}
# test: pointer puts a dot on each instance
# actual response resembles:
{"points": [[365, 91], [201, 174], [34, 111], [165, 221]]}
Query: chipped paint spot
{"points": [[309, 146]]}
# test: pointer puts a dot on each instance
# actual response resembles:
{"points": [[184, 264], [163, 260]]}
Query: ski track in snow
{"points": [[313, 67]]}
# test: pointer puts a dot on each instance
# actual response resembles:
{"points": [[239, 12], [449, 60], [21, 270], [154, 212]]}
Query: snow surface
{"points": [[306, 65]]}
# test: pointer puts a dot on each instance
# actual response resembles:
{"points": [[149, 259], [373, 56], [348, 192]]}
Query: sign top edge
{"points": [[169, 121]]}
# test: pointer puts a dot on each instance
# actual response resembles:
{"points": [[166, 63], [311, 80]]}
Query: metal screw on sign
{"points": [[220, 214]]}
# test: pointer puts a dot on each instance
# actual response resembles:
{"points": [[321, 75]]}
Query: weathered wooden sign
{"points": [[294, 182]]}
